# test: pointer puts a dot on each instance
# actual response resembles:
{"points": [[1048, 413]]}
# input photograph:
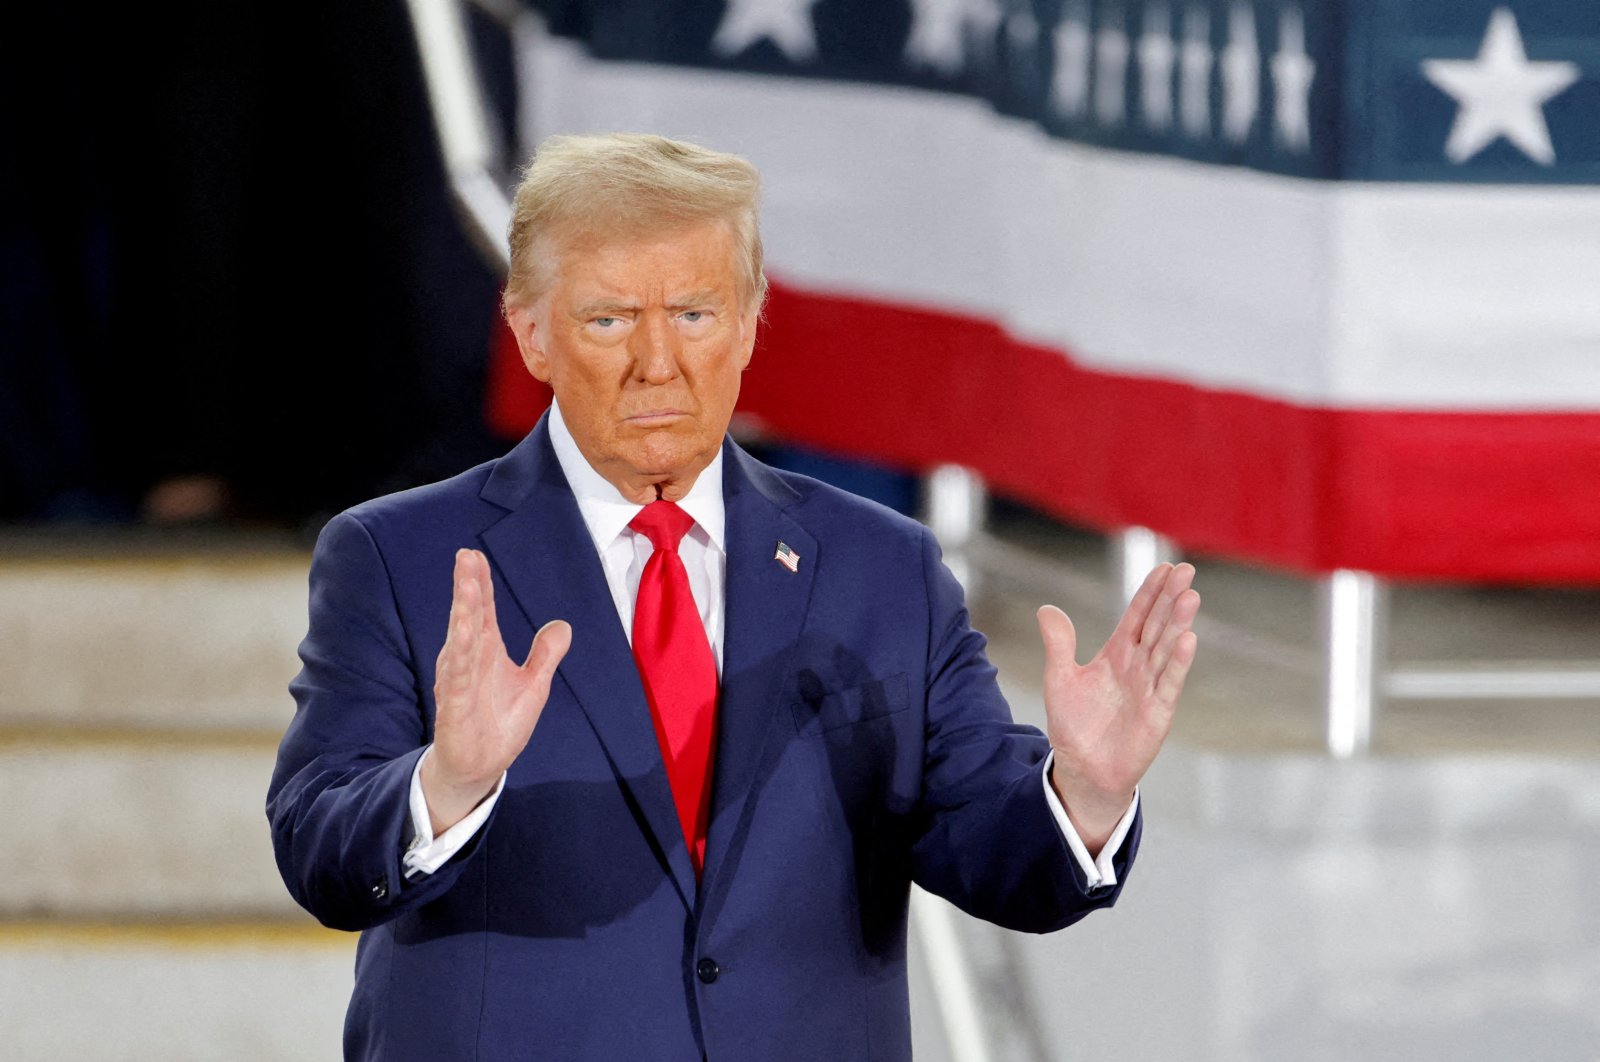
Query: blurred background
{"points": [[1305, 291]]}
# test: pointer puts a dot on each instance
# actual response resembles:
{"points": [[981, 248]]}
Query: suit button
{"points": [[708, 970], [380, 889]]}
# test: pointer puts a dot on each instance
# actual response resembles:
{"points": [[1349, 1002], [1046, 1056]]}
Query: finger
{"points": [[485, 577], [550, 644], [1183, 614], [1060, 637], [1177, 669], [453, 669], [465, 606], [1180, 579], [1138, 609]]}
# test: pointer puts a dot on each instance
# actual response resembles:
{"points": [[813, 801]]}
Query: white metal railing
{"points": [[1353, 641], [473, 157], [1353, 659]]}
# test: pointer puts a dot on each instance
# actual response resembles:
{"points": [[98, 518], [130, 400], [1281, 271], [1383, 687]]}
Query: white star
{"points": [[1023, 30], [1156, 56], [1110, 70], [786, 23], [1241, 75], [1500, 93], [1070, 84], [936, 34], [939, 31], [982, 17], [1292, 73], [1194, 64]]}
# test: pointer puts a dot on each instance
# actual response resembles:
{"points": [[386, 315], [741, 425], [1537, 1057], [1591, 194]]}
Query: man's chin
{"points": [[681, 459]]}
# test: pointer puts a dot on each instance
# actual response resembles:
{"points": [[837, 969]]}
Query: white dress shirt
{"points": [[623, 553]]}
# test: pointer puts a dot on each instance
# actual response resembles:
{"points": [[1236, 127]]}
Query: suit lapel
{"points": [[765, 609], [543, 551]]}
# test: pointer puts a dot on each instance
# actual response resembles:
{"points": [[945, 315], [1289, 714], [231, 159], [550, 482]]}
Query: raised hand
{"points": [[1107, 719], [487, 705]]}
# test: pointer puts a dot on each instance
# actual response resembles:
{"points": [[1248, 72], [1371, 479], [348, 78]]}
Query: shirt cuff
{"points": [[427, 853], [1099, 873]]}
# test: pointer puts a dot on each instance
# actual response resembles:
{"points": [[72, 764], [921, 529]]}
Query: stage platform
{"points": [[1429, 900]]}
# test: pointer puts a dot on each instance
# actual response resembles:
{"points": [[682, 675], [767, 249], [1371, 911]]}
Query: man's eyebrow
{"points": [[603, 306], [695, 298]]}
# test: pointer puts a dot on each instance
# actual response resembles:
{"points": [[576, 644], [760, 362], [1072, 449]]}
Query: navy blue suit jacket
{"points": [[863, 744]]}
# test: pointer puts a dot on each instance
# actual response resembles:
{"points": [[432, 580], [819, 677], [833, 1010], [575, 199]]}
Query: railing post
{"points": [[955, 505], [1134, 551], [467, 142], [950, 973], [1354, 656]]}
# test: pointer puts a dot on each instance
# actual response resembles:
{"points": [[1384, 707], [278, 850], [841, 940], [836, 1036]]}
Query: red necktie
{"points": [[678, 670]]}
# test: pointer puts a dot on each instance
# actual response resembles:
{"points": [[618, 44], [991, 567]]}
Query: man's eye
{"points": [[692, 316], [605, 322]]}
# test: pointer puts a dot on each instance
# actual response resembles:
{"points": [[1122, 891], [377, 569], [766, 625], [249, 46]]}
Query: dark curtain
{"points": [[228, 249]]}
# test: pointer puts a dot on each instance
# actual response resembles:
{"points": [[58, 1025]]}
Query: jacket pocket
{"points": [[855, 704]]}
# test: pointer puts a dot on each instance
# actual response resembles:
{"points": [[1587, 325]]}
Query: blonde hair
{"points": [[621, 183]]}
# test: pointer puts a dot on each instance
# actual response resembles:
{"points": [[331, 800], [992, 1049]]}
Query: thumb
{"points": [[549, 646], [1060, 637]]}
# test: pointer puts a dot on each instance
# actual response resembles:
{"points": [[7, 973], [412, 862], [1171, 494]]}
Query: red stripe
{"points": [[513, 400], [1499, 497]]}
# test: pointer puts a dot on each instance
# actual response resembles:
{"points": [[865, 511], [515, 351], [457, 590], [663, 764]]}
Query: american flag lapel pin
{"points": [[787, 557]]}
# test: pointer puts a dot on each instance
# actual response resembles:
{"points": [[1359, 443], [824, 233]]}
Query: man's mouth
{"points": [[653, 417]]}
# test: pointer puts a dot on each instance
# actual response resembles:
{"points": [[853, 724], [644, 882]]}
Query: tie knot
{"points": [[663, 523]]}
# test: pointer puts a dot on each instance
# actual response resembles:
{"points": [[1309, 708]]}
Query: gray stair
{"points": [[137, 826], [164, 642], [141, 915], [247, 992]]}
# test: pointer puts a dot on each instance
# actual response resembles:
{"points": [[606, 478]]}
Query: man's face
{"points": [[643, 340]]}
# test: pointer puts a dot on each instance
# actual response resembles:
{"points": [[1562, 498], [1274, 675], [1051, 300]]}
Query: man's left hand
{"points": [[1107, 719]]}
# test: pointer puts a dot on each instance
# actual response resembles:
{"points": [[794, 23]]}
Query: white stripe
{"points": [[1334, 294]]}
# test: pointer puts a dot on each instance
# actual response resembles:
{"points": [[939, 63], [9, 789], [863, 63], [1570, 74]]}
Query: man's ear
{"points": [[749, 323], [530, 341]]}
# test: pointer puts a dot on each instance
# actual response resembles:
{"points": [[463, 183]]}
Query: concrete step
{"points": [[139, 825], [242, 991], [150, 641]]}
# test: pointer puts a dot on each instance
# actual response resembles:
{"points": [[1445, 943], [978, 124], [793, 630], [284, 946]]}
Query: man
{"points": [[752, 711]]}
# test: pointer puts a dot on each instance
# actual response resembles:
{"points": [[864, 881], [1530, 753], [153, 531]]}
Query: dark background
{"points": [[227, 249]]}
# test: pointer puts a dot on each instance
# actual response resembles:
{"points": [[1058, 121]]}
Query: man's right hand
{"points": [[486, 705]]}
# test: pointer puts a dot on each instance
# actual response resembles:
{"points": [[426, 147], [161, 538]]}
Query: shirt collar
{"points": [[606, 512]]}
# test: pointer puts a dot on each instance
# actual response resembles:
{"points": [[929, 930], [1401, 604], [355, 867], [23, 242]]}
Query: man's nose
{"points": [[655, 349]]}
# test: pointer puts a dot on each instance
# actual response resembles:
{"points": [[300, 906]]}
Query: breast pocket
{"points": [[822, 712]]}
